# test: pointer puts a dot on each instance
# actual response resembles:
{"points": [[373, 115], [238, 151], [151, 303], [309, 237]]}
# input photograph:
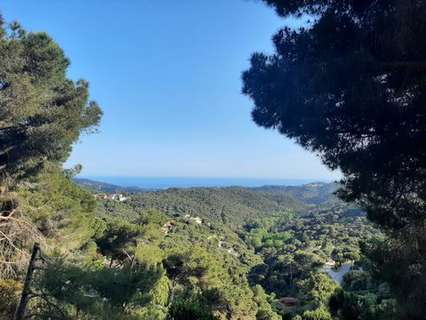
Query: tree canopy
{"points": [[42, 111], [352, 89], [350, 86]]}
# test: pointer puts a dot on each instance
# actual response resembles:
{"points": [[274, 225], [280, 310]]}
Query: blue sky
{"points": [[167, 74]]}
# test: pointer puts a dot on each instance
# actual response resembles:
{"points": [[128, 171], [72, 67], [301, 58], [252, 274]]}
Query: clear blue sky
{"points": [[167, 74]]}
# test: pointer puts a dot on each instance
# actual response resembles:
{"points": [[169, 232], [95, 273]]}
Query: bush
{"points": [[317, 314], [10, 291]]}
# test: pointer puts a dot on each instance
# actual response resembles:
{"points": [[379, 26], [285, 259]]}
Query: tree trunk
{"points": [[26, 291]]}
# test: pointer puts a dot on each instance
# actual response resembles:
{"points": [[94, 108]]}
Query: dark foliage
{"points": [[351, 88]]}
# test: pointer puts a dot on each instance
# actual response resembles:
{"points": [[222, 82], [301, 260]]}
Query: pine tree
{"points": [[350, 86]]}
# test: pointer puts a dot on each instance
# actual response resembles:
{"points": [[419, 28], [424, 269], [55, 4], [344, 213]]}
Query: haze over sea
{"points": [[187, 182]]}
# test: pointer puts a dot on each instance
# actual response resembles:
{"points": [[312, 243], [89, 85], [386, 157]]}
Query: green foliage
{"points": [[204, 270], [153, 217], [42, 111], [118, 241], [363, 305], [317, 314], [237, 204], [194, 307], [207, 271], [97, 291], [160, 293], [314, 88], [312, 194], [10, 291], [150, 313], [318, 289], [264, 311], [131, 263], [293, 248], [149, 254], [59, 208], [351, 88]]}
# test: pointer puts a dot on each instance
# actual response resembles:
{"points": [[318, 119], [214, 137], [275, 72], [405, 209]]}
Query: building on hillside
{"points": [[189, 219], [118, 197], [113, 196], [101, 196], [330, 263]]}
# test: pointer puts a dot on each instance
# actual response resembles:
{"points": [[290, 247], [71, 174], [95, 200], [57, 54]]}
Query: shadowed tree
{"points": [[351, 87]]}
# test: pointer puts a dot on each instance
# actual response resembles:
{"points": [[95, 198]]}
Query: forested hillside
{"points": [[215, 267], [233, 205], [272, 246], [311, 194], [105, 187], [111, 259]]}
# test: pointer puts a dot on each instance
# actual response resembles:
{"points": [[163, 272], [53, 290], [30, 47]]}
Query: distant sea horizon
{"points": [[189, 182]]}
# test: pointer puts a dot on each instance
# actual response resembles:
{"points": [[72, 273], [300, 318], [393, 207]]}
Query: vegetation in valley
{"points": [[178, 264], [106, 259]]}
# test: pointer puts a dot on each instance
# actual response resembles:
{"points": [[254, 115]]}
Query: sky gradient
{"points": [[167, 75]]}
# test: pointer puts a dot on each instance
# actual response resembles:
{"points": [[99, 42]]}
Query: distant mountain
{"points": [[98, 186], [310, 194], [236, 205]]}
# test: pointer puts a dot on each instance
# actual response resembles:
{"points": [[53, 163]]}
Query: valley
{"points": [[275, 239]]}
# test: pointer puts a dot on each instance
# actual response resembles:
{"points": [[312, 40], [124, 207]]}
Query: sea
{"points": [[183, 182]]}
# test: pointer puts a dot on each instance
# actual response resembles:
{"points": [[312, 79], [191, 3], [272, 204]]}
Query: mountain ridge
{"points": [[236, 205]]}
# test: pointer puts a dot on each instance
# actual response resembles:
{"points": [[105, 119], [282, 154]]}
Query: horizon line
{"points": [[200, 177]]}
